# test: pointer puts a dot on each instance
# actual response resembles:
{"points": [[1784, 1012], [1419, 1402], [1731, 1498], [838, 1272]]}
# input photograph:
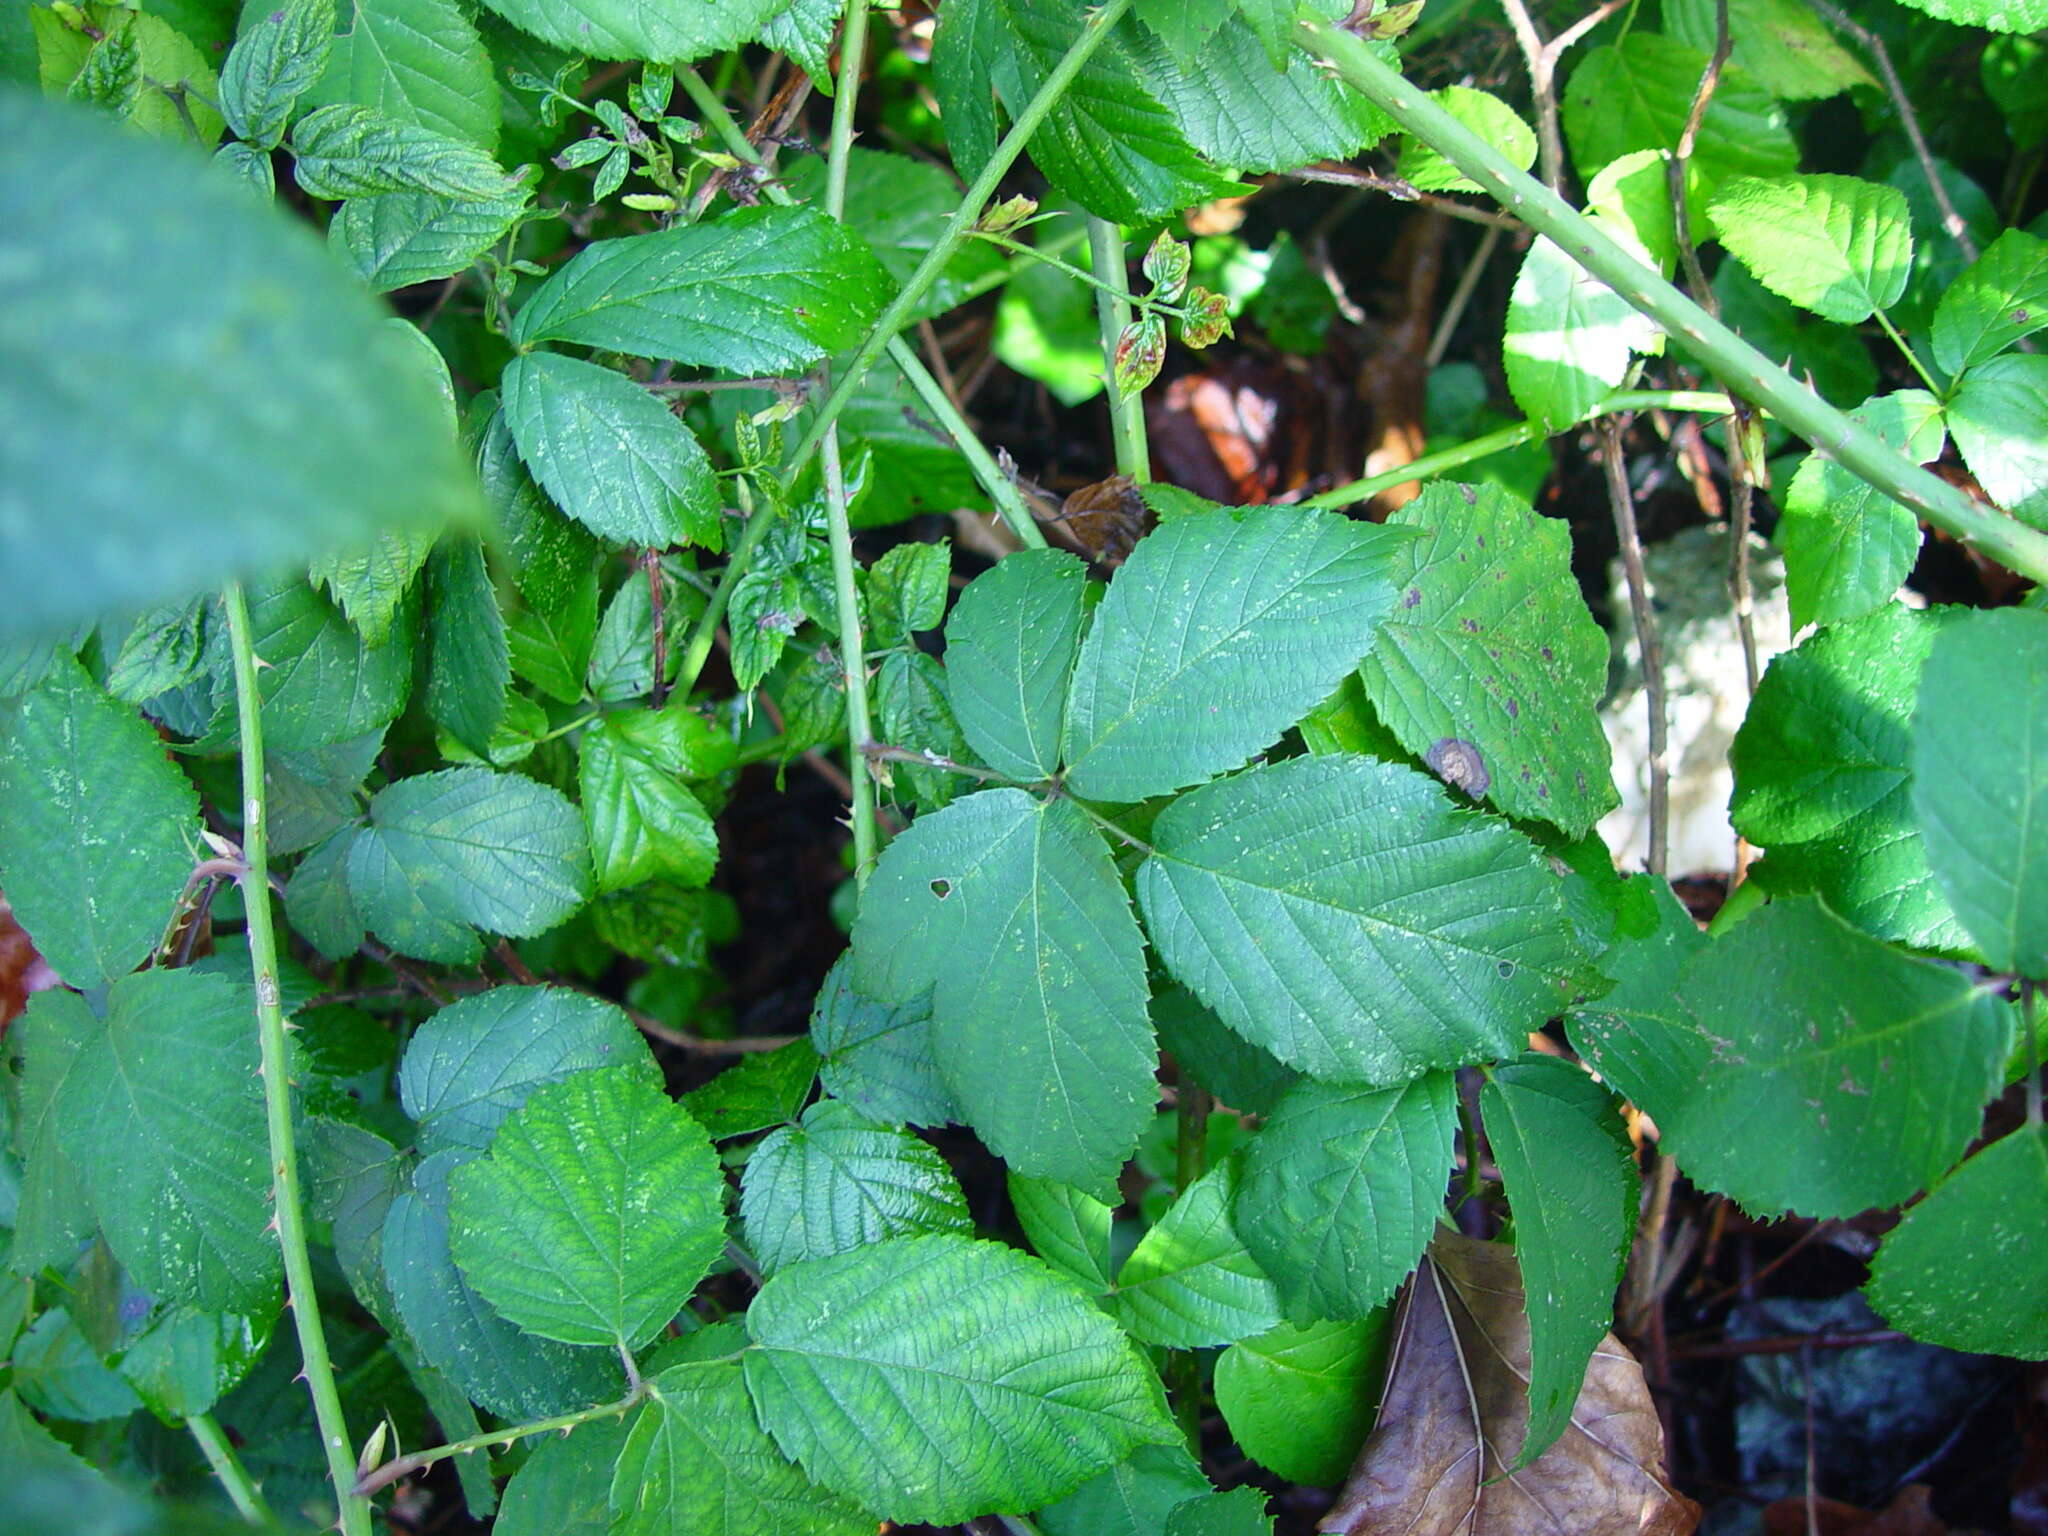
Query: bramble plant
{"points": [[373, 687]]}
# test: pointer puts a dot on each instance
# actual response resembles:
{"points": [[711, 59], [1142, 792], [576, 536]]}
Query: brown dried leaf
{"points": [[1911, 1513], [1457, 1406]]}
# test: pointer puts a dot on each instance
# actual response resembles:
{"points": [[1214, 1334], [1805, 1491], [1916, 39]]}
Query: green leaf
{"points": [[168, 1100], [757, 290], [277, 57], [1341, 1190], [1191, 1283], [351, 151], [761, 1089], [100, 830], [1800, 1065], [1637, 94], [186, 1360], [598, 1209], [877, 1058], [911, 694], [1009, 912], [369, 585], [610, 454], [477, 1061], [837, 1182], [1066, 1227], [419, 62], [1490, 667], [514, 1374], [1964, 1269], [469, 848], [1108, 143], [469, 666], [1570, 340], [1835, 357], [61, 1376], [1133, 1498], [1570, 1176], [1237, 1072], [2000, 298], [643, 824], [625, 29], [1238, 112], [1980, 781], [566, 1484], [1999, 15], [697, 1464], [1837, 245], [898, 207], [54, 1216], [320, 681], [208, 300], [1824, 776], [906, 591], [804, 30], [1999, 418], [1240, 1512], [934, 1377], [622, 656], [1010, 649], [396, 239], [1300, 1398], [1220, 631], [1486, 115], [1848, 546], [164, 649], [1780, 44], [1341, 914]]}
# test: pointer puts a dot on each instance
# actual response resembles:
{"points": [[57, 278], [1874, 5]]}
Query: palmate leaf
{"points": [[1797, 1064], [1490, 667], [207, 299], [1010, 649], [836, 1182], [1980, 781], [757, 290], [168, 1100], [1341, 1189], [1570, 1175], [1008, 913], [935, 1377], [598, 1209], [1191, 1283], [100, 827], [1341, 914], [1220, 631]]}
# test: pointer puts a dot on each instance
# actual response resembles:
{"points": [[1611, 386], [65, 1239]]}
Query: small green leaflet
{"points": [[1299, 1398], [168, 1099], [643, 824], [627, 29], [1487, 116], [2000, 298], [369, 584], [416, 61], [320, 681], [100, 831], [757, 290], [877, 1058], [1637, 94], [1848, 547], [1781, 44], [1798, 1064], [1341, 1190], [1966, 1268], [1220, 631], [761, 1090], [1008, 912], [1191, 1283], [1133, 1498], [1010, 649], [278, 55], [353, 151], [565, 1484], [837, 1181], [931, 1378], [1340, 913], [164, 649], [610, 454], [54, 1215], [1570, 1177], [1999, 418], [476, 1061], [1570, 339], [906, 591], [1490, 667], [697, 1464], [598, 1209], [1824, 777], [1999, 15], [1066, 1227], [916, 713], [1837, 245], [1980, 781], [469, 666], [396, 239], [467, 848]]}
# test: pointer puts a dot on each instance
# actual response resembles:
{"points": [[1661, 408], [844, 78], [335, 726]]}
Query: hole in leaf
{"points": [[942, 889], [1506, 969]]}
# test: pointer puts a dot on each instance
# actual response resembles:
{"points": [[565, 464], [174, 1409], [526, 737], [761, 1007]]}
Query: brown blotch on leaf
{"points": [[1459, 764]]}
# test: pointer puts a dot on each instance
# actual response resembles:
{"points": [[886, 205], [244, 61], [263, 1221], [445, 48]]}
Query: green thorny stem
{"points": [[384, 1475], [289, 1214], [1743, 369], [853, 656], [1112, 315], [227, 1467]]}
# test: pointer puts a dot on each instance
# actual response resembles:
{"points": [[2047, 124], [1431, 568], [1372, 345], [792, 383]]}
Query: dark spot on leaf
{"points": [[1471, 498], [1581, 782], [1414, 597], [1482, 541], [1514, 710], [1542, 791], [1493, 653], [1470, 626], [2021, 317], [942, 889], [1547, 655], [1506, 968], [1459, 764]]}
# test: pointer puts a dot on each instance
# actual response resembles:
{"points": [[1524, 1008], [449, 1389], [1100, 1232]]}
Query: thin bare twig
{"points": [[1454, 310], [1403, 192], [1542, 59], [1649, 643]]}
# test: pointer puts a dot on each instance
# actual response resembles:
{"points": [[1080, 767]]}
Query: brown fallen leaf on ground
{"points": [[1911, 1513], [1455, 1410]]}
